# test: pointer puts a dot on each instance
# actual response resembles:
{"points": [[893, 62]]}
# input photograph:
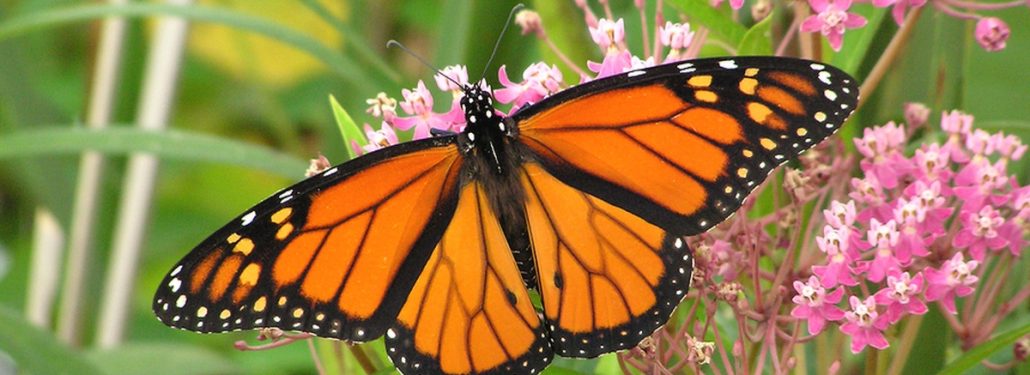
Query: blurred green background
{"points": [[244, 87]]}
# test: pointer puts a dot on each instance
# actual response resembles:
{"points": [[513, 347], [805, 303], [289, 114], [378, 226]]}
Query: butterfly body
{"points": [[584, 197]]}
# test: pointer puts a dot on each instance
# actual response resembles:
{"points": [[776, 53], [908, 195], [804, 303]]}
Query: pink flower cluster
{"points": [[915, 230], [539, 80], [832, 19]]}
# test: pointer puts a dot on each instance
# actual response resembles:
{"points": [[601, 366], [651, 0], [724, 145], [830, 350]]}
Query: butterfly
{"points": [[584, 198]]}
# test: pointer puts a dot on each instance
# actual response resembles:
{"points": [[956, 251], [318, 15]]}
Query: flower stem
{"points": [[886, 60], [985, 6], [91, 171], [156, 102], [904, 345]]}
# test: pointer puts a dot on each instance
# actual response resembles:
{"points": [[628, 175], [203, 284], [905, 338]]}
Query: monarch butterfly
{"points": [[584, 197]]}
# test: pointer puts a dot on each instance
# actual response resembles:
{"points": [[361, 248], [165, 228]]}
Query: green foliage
{"points": [[36, 351], [172, 144]]}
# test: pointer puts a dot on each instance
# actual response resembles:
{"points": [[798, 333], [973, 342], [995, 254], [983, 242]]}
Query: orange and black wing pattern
{"points": [[335, 255], [681, 145], [469, 311], [606, 277]]}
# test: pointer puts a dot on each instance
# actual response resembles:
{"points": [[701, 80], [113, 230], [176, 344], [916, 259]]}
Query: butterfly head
{"points": [[484, 128]]}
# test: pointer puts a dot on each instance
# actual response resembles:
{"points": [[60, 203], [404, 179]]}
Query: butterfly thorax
{"points": [[485, 131], [495, 162]]}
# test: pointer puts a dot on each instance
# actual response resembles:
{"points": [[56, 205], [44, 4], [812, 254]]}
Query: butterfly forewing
{"points": [[334, 255], [682, 145]]}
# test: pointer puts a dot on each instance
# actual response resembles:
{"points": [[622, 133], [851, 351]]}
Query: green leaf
{"points": [[339, 63], [167, 144], [982, 351], [757, 41], [702, 13], [162, 359], [453, 44], [928, 349], [37, 352], [348, 128]]}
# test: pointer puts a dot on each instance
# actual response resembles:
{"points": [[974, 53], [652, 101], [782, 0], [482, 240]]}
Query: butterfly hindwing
{"points": [[334, 255], [682, 145], [469, 311], [606, 277]]}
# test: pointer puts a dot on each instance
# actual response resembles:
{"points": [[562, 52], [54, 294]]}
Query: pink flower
{"points": [[459, 76], [529, 21], [613, 64], [677, 37], [726, 260], [916, 114], [1009, 146], [899, 7], [864, 325], [883, 237], [954, 279], [980, 232], [539, 81], [377, 139], [958, 125], [382, 106], [814, 305], [931, 163], [831, 19], [418, 102], [838, 270], [911, 215], [930, 199], [609, 35], [901, 296], [840, 215], [882, 146], [992, 33], [977, 182]]}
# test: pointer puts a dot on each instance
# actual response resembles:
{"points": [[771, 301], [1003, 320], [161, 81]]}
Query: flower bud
{"points": [[992, 33]]}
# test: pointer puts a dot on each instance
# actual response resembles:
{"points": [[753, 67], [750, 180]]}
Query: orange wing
{"points": [[607, 278], [334, 255], [469, 312], [682, 145]]}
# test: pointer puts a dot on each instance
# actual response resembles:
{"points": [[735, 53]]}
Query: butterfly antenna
{"points": [[497, 44], [394, 43]]}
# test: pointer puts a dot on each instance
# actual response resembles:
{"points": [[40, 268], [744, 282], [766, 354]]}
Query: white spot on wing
{"points": [[818, 66], [249, 217], [176, 270], [684, 65], [635, 73], [728, 64], [825, 77], [830, 94], [175, 284], [329, 172]]}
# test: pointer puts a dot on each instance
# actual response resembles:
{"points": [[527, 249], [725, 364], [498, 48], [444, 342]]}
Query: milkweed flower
{"points": [[864, 325], [452, 78], [418, 103], [902, 296], [831, 20], [611, 37], [953, 279], [538, 82], [815, 305], [992, 33]]}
